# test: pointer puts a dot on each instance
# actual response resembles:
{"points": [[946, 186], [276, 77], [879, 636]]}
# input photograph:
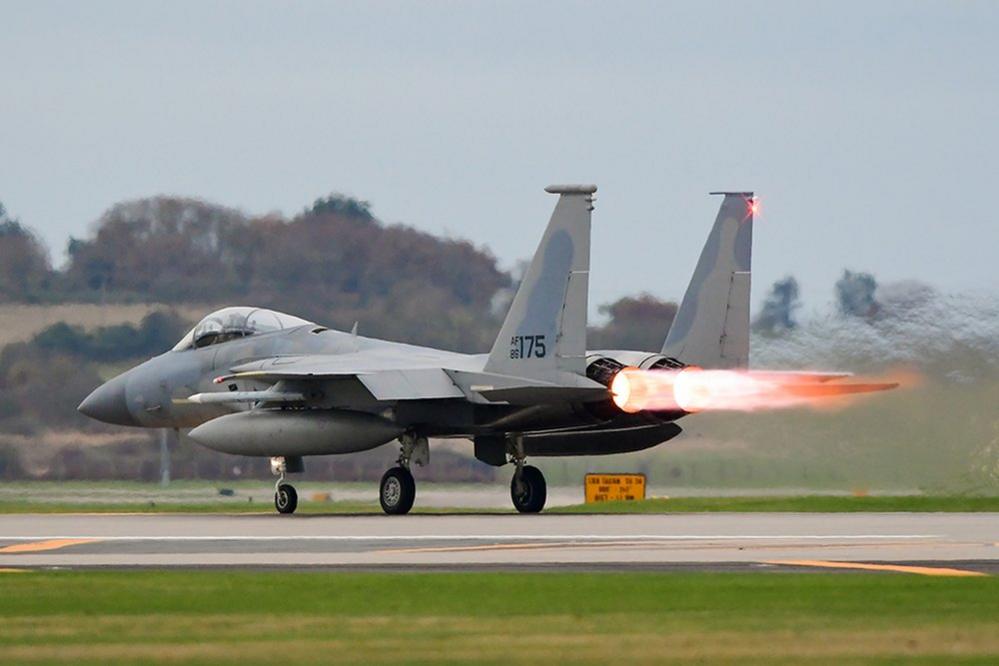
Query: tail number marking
{"points": [[528, 346]]}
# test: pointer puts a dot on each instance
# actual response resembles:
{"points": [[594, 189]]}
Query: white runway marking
{"points": [[485, 537], [500, 540]]}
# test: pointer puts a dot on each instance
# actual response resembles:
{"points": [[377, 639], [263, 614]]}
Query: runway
{"points": [[951, 543]]}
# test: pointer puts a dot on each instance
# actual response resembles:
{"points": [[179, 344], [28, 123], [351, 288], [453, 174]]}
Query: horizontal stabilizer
{"points": [[832, 390], [802, 376]]}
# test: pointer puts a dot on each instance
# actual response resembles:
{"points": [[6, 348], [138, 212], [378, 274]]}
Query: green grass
{"points": [[235, 506], [188, 496], [311, 508], [803, 503], [313, 617]]}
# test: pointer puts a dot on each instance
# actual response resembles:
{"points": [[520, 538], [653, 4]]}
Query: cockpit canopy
{"points": [[238, 322]]}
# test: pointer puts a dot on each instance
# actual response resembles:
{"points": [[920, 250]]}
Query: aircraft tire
{"points": [[397, 491], [533, 491], [286, 499]]}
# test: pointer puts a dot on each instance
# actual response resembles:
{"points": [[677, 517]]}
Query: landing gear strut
{"points": [[397, 491], [528, 489], [285, 496]]}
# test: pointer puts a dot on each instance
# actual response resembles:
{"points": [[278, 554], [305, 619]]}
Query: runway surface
{"points": [[932, 543]]}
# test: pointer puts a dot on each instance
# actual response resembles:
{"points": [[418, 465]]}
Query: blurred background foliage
{"points": [[336, 264]]}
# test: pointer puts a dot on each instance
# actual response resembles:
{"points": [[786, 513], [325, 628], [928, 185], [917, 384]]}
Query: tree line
{"points": [[335, 263]]}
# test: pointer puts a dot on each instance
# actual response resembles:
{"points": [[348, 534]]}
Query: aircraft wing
{"points": [[389, 377], [384, 378]]}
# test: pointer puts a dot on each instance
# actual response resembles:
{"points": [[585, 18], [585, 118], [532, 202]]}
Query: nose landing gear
{"points": [[285, 496]]}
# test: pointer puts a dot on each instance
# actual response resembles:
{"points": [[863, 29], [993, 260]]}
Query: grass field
{"points": [[304, 507], [803, 503], [313, 617], [19, 321]]}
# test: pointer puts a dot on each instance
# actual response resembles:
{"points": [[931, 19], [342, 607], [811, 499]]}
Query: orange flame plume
{"points": [[695, 390]]}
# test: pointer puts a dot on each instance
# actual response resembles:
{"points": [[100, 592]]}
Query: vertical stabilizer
{"points": [[711, 328], [545, 329]]}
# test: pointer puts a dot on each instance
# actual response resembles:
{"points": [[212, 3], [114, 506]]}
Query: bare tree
{"points": [[778, 312], [855, 295], [24, 261]]}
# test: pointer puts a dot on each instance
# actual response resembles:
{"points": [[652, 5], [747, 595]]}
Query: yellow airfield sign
{"points": [[611, 487]]}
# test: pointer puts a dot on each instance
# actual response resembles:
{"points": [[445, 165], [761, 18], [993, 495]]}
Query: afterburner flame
{"points": [[695, 390]]}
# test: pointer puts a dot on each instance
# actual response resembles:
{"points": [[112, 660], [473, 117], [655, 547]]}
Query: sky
{"points": [[869, 130]]}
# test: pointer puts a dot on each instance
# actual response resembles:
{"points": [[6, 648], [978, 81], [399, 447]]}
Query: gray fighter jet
{"points": [[255, 382]]}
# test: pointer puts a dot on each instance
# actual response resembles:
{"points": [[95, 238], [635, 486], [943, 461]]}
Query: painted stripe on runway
{"points": [[49, 544], [14, 570], [867, 566], [514, 546], [485, 537]]}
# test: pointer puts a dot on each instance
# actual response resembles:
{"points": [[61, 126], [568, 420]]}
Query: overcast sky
{"points": [[870, 131]]}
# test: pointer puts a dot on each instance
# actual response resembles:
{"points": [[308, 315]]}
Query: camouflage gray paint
{"points": [[711, 328], [544, 331], [340, 392]]}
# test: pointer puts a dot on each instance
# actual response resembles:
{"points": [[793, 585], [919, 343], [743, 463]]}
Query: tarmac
{"points": [[925, 543]]}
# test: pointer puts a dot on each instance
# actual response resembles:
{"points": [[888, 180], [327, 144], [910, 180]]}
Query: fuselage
{"points": [[155, 393]]}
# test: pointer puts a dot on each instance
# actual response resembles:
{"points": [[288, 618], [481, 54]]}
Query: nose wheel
{"points": [[285, 498]]}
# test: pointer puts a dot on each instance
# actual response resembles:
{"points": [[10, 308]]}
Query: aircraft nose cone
{"points": [[107, 403]]}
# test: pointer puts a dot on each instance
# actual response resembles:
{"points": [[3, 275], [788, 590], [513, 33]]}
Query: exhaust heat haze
{"points": [[695, 390]]}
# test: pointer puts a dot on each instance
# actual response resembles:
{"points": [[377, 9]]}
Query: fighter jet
{"points": [[255, 382]]}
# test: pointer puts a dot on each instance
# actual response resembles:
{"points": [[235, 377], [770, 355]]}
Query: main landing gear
{"points": [[397, 491], [285, 496], [528, 489]]}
